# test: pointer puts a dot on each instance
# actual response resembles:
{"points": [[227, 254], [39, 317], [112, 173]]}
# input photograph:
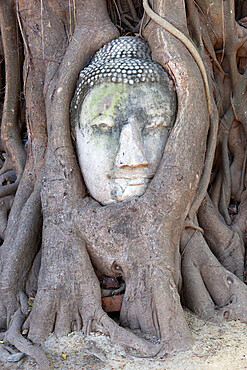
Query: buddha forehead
{"points": [[124, 100]]}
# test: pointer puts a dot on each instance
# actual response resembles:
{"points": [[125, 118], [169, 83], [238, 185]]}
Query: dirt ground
{"points": [[217, 346]]}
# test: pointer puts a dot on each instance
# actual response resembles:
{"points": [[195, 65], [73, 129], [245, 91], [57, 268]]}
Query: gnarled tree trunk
{"points": [[184, 239]]}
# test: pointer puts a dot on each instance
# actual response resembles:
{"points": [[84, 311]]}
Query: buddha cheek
{"points": [[96, 152], [154, 144]]}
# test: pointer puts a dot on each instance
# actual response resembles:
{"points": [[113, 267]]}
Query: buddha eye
{"points": [[103, 124], [103, 127], [156, 122]]}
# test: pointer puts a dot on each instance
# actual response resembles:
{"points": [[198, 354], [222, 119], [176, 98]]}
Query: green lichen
{"points": [[102, 94]]}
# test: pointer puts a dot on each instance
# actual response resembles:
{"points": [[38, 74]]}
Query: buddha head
{"points": [[122, 112]]}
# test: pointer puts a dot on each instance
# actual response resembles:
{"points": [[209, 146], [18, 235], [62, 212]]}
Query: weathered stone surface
{"points": [[121, 136]]}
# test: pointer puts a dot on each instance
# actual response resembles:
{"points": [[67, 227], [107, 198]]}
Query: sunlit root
{"points": [[10, 133], [8, 180], [127, 338], [14, 337], [17, 261], [5, 206], [7, 165], [209, 289], [224, 241], [69, 297], [240, 220], [237, 144], [151, 303]]}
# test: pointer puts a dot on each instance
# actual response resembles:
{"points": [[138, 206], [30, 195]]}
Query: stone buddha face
{"points": [[121, 133]]}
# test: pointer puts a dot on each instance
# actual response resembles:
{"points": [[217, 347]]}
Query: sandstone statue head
{"points": [[122, 112]]}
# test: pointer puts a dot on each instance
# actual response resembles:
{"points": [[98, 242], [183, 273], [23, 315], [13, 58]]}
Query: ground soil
{"points": [[217, 346]]}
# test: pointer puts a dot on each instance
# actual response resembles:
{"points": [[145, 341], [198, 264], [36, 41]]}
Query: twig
{"points": [[206, 18], [25, 45], [74, 8], [127, 23], [42, 28], [70, 20], [141, 25], [132, 10], [118, 12], [119, 6], [223, 31]]}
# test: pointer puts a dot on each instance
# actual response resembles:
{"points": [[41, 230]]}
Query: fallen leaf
{"points": [[30, 301], [64, 355]]}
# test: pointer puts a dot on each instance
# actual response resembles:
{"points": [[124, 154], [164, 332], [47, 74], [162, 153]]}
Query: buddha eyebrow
{"points": [[102, 120]]}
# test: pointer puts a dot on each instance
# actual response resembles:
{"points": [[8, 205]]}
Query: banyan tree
{"points": [[123, 169]]}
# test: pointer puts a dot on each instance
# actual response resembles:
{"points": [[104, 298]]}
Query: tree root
{"points": [[225, 242], [209, 289], [9, 189], [240, 220], [237, 145], [10, 133], [14, 337], [188, 44], [7, 178], [5, 206], [8, 356], [126, 338], [225, 195], [73, 298], [16, 263], [150, 293], [213, 112]]}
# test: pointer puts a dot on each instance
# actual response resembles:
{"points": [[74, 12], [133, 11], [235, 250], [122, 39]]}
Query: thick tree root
{"points": [[145, 261], [9, 189], [188, 44], [126, 338], [14, 337], [224, 241], [10, 132], [151, 303], [5, 206], [70, 296], [5, 356], [240, 220], [210, 290], [16, 263]]}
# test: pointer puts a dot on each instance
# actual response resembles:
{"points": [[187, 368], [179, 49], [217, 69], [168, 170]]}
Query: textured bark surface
{"points": [[183, 240]]}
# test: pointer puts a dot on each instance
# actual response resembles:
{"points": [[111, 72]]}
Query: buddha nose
{"points": [[131, 151]]}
